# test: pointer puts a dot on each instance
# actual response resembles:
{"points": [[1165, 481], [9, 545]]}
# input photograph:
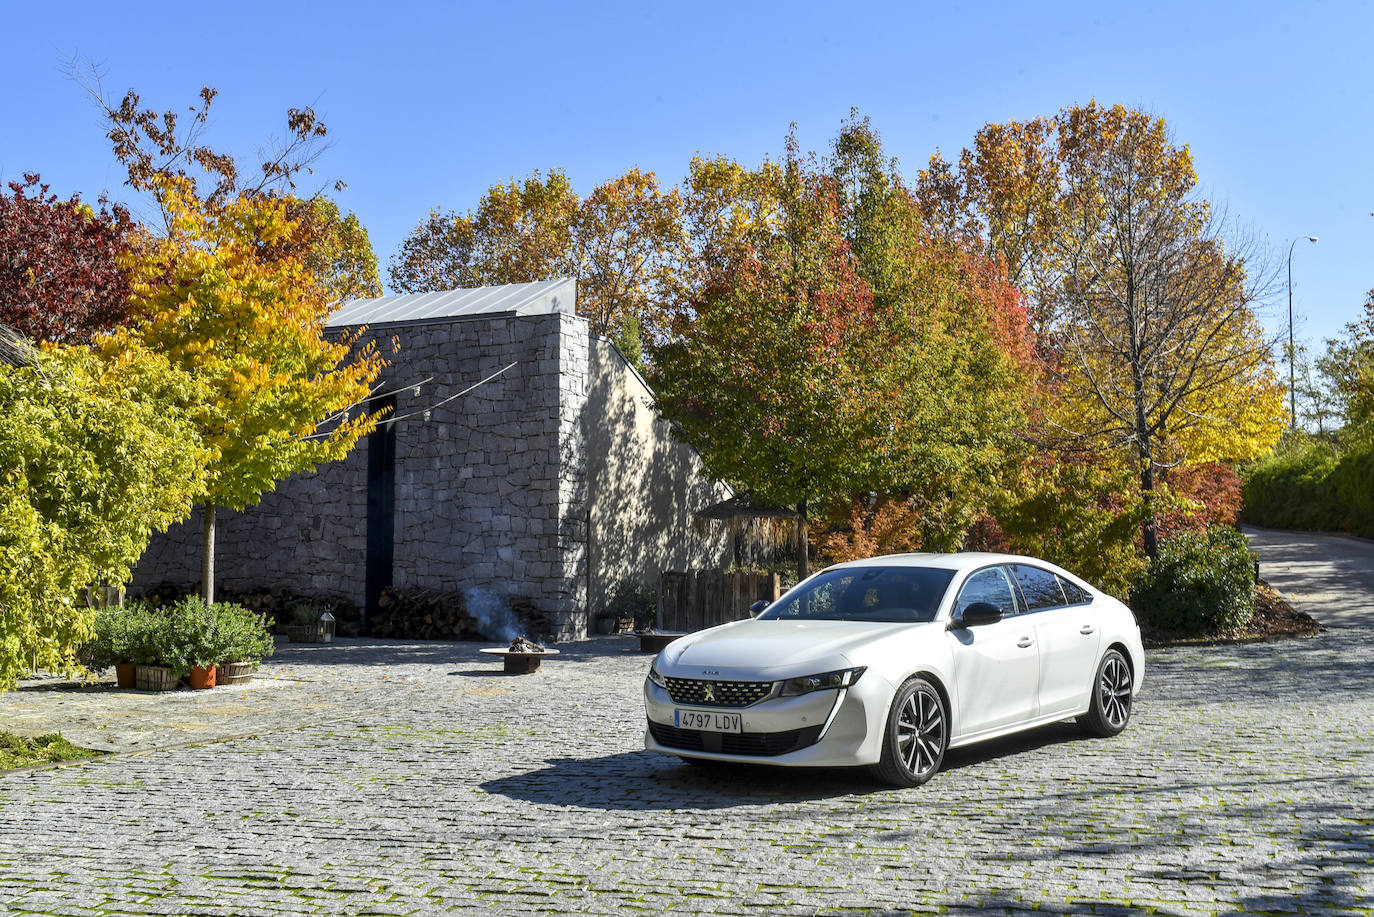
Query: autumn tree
{"points": [[335, 248], [765, 370], [964, 352], [228, 297], [519, 233], [808, 368], [1143, 311], [60, 278], [235, 290], [169, 149], [623, 243], [96, 456]]}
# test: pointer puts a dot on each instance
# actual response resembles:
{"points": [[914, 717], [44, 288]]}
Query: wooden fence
{"points": [[697, 600]]}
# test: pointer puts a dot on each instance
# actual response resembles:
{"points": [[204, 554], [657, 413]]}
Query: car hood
{"points": [[770, 649]]}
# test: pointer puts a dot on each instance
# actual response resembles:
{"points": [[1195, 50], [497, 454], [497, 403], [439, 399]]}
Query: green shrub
{"points": [[247, 636], [1291, 489], [121, 635], [1202, 582], [1352, 483], [631, 600], [196, 634], [185, 634]]}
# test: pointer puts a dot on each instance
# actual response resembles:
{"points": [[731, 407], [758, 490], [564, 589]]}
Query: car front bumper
{"points": [[840, 727]]}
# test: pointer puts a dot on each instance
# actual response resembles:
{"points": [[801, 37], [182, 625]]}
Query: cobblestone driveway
{"points": [[1243, 785]]}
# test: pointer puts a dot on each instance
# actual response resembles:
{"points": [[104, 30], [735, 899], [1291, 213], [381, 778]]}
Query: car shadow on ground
{"points": [[645, 781]]}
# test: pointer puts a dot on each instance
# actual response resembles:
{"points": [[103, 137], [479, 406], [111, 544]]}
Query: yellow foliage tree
{"points": [[227, 296], [94, 456], [1143, 312]]}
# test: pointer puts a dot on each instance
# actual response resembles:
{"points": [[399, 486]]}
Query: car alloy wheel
{"points": [[1111, 704], [916, 738]]}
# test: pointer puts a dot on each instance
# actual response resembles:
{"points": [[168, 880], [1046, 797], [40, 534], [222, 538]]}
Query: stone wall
{"points": [[645, 485], [490, 495], [554, 483]]}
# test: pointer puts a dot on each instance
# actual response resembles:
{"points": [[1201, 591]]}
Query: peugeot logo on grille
{"points": [[708, 692]]}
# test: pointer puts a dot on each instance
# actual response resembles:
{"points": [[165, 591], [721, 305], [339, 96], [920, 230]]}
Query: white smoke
{"points": [[493, 618]]}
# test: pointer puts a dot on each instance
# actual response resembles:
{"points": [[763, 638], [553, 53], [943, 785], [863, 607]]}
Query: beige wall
{"points": [[642, 485]]}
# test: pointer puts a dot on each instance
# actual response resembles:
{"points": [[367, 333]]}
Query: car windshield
{"points": [[887, 593]]}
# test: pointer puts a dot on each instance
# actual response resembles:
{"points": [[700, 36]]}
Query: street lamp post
{"points": [[1293, 344]]}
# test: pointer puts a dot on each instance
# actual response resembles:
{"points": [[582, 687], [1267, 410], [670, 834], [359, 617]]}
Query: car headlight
{"points": [[841, 678], [657, 678]]}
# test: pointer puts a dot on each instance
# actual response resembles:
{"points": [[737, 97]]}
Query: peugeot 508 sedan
{"points": [[889, 662]]}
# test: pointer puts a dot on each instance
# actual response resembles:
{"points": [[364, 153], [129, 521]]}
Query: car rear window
{"points": [[1072, 593], [1040, 587]]}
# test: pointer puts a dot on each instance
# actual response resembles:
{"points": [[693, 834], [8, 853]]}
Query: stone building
{"points": [[552, 483]]}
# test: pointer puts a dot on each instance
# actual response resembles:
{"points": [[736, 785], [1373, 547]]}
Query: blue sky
{"points": [[430, 103]]}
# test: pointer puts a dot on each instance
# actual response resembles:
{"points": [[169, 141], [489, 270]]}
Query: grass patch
{"points": [[26, 751]]}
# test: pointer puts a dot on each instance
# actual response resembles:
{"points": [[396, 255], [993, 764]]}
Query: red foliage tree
{"points": [[60, 279]]}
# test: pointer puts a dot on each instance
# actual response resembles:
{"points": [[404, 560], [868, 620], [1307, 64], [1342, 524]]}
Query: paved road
{"points": [[1331, 577], [1242, 786]]}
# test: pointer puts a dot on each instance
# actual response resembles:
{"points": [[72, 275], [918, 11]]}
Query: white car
{"points": [[891, 661]]}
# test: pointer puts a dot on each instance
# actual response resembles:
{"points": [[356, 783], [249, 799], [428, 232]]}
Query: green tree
{"points": [[1349, 366], [96, 455]]}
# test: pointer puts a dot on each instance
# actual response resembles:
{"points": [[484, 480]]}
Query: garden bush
{"points": [[184, 634], [1201, 583], [1291, 489]]}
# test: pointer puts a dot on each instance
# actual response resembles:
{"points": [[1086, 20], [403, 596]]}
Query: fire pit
{"points": [[522, 657], [652, 641]]}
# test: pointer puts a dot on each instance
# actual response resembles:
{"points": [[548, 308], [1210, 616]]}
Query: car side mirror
{"points": [[976, 615], [757, 608]]}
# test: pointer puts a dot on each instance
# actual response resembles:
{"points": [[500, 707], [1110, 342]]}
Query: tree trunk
{"points": [[803, 545], [1149, 527], [207, 557]]}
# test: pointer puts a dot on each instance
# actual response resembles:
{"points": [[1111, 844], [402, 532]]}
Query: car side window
{"points": [[1072, 593], [1040, 587], [989, 586]]}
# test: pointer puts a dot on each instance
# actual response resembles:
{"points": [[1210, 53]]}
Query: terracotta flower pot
{"points": [[202, 677], [126, 674]]}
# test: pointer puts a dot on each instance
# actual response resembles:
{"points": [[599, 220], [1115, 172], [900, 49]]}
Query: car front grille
{"points": [[760, 744], [718, 693]]}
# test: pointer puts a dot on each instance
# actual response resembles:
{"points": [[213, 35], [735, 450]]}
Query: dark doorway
{"points": [[381, 507]]}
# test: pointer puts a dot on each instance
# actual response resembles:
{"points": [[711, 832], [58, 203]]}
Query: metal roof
{"points": [[540, 298]]}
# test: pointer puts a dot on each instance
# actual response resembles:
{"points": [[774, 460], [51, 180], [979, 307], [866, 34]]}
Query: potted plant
{"points": [[153, 650], [247, 637], [306, 626], [110, 644]]}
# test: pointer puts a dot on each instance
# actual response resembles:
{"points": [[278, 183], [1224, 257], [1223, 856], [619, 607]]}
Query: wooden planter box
{"points": [[303, 633], [154, 678], [235, 673]]}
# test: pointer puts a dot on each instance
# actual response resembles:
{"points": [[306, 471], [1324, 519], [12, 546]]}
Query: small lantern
{"points": [[324, 631]]}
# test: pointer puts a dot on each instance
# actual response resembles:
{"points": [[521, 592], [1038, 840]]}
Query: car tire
{"points": [[916, 736], [1110, 709]]}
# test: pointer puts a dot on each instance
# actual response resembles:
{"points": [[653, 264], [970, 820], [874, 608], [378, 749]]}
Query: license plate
{"points": [[707, 721]]}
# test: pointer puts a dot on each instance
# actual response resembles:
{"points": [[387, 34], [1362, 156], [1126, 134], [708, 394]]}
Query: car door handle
{"points": [[1086, 629], [1024, 642]]}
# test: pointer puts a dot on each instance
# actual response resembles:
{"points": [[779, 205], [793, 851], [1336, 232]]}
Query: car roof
{"points": [[964, 560]]}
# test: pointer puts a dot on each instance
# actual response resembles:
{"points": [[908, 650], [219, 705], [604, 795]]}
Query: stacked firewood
{"points": [[423, 614]]}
